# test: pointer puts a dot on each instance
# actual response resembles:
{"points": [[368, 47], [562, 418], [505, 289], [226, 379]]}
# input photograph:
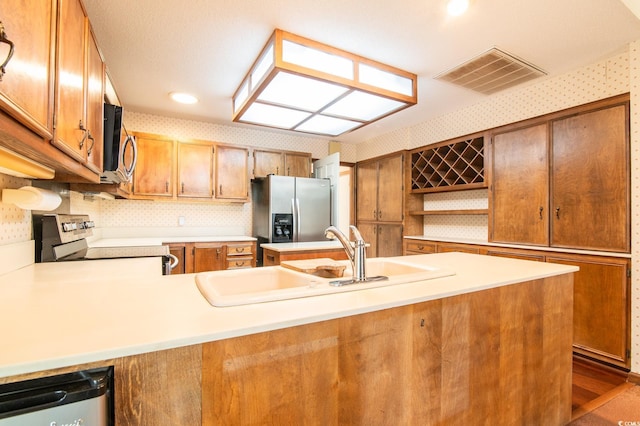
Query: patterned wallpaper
{"points": [[15, 223], [617, 74]]}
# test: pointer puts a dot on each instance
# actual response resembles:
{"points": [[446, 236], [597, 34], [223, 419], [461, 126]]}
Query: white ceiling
{"points": [[205, 47]]}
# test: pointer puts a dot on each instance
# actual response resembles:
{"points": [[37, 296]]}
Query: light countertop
{"points": [[157, 241], [518, 246], [309, 245], [60, 314]]}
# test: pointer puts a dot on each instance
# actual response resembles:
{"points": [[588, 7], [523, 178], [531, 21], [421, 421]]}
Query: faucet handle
{"points": [[356, 234]]}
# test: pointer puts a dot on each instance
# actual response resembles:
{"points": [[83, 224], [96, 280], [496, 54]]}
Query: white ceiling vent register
{"points": [[490, 72]]}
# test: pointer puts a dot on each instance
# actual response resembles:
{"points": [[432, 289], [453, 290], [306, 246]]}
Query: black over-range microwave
{"points": [[120, 151]]}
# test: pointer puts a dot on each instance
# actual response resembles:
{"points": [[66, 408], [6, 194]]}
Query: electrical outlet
{"points": [[180, 220]]}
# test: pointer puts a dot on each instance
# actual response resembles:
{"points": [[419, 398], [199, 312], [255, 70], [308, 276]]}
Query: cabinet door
{"points": [[153, 174], [389, 240], [367, 191], [266, 163], [195, 170], [232, 173], [95, 105], [208, 257], [390, 189], [369, 233], [26, 95], [70, 135], [590, 188], [298, 165], [520, 199], [601, 307]]}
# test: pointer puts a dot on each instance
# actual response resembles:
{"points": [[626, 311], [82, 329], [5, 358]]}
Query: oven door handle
{"points": [[174, 260]]}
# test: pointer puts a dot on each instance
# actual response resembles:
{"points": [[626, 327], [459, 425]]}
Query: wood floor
{"points": [[594, 385]]}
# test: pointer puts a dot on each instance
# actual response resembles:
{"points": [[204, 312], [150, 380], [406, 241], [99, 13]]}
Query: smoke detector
{"points": [[490, 72]]}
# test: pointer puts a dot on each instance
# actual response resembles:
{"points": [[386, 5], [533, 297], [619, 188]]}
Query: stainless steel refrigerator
{"points": [[290, 209]]}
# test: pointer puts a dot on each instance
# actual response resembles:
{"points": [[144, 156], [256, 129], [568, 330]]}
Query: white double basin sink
{"points": [[271, 283]]}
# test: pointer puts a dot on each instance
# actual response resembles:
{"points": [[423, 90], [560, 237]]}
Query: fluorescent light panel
{"points": [[302, 85]]}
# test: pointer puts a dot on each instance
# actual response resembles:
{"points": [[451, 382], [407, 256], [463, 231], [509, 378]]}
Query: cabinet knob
{"points": [[540, 211], [558, 212]]}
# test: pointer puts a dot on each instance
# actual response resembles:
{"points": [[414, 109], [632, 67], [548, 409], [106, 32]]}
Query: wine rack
{"points": [[448, 166]]}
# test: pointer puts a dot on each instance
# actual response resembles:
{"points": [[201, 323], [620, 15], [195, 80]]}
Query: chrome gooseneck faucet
{"points": [[356, 253]]}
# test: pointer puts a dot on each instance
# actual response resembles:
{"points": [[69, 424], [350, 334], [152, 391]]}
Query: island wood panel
{"points": [[159, 388], [283, 377], [500, 356]]}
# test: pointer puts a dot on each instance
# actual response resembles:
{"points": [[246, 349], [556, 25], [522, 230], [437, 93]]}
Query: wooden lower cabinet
{"points": [[602, 301], [384, 240], [213, 256], [602, 320]]}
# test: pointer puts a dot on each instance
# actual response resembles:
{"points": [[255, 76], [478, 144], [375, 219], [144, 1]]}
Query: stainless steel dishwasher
{"points": [[80, 398]]}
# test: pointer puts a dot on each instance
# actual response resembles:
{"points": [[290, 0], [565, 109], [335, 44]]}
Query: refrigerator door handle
{"points": [[297, 220]]}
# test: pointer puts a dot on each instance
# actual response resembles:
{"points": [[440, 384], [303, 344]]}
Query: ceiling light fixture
{"points": [[183, 98], [306, 86], [457, 7]]}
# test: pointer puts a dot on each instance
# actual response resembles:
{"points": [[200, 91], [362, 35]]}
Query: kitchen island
{"points": [[492, 342]]}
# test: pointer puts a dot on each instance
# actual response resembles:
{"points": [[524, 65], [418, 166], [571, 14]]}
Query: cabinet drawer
{"points": [[239, 262], [239, 249], [417, 247]]}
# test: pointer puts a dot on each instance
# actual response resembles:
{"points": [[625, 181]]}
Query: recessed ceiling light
{"points": [[183, 98], [457, 7]]}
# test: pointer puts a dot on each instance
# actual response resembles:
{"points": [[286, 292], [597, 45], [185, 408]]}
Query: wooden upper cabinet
{"points": [[267, 163], [153, 175], [367, 191], [94, 87], [390, 189], [380, 189], [70, 118], [297, 164], [25, 95], [195, 170], [520, 196], [232, 172], [282, 163], [591, 173], [79, 88], [564, 182]]}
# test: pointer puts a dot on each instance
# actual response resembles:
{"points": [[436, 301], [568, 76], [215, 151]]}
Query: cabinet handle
{"points": [[278, 170], [540, 211], [166, 187], [84, 136], [220, 192], [288, 171], [4, 39], [93, 142], [375, 214], [379, 214], [558, 212], [182, 187]]}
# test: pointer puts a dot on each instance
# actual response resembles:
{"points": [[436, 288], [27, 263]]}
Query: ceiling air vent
{"points": [[492, 71]]}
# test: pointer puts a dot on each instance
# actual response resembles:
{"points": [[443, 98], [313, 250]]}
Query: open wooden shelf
{"points": [[448, 212], [448, 166]]}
